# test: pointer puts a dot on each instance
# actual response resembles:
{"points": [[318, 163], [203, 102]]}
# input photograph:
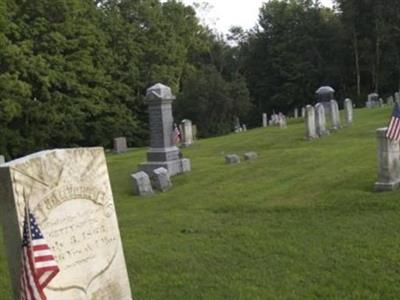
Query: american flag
{"points": [[393, 131], [38, 266], [176, 135]]}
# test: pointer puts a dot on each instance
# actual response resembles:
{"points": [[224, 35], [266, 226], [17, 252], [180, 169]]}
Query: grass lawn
{"points": [[301, 222]]}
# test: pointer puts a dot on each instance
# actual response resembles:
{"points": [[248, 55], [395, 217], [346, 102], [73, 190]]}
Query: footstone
{"points": [[348, 108], [2, 159], [388, 162], [120, 145], [250, 156], [231, 159], [68, 191], [311, 132], [162, 153], [161, 180], [141, 184], [320, 120], [186, 166]]}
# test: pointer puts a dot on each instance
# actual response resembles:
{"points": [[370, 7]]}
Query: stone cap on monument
{"points": [[159, 92], [324, 93]]}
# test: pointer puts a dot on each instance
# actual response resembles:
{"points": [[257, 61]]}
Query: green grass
{"points": [[301, 222]]}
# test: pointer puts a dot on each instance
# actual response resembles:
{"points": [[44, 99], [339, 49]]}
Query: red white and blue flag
{"points": [[393, 131], [38, 266], [176, 135]]}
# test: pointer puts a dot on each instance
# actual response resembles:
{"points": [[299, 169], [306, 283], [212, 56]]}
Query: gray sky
{"points": [[222, 14]]}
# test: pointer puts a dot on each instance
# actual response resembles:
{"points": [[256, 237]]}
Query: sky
{"points": [[222, 14]]}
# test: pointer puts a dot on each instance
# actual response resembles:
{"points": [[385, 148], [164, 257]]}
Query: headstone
{"points": [[397, 97], [274, 119], [381, 104], [250, 156], [348, 108], [187, 133], [236, 125], [373, 100], [311, 132], [2, 159], [120, 145], [231, 159], [324, 95], [265, 120], [282, 123], [320, 120], [296, 113], [390, 101], [388, 162], [68, 191], [161, 180], [335, 116], [186, 166], [162, 153], [194, 132], [303, 112], [244, 127], [141, 184]]}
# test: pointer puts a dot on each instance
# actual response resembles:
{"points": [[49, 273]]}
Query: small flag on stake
{"points": [[393, 131], [38, 266], [176, 135]]}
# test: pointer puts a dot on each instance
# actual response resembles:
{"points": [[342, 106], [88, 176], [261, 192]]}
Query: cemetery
{"points": [[147, 151]]}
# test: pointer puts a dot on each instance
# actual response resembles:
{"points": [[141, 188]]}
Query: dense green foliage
{"points": [[75, 72], [301, 222]]}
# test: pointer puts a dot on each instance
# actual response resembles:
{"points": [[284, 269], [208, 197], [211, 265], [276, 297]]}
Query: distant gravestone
{"points": [[390, 101], [231, 159], [381, 104], [186, 166], [162, 153], [388, 163], [69, 193], [120, 145], [324, 95], [397, 97], [236, 125], [320, 120], [244, 127], [187, 138], [373, 100], [2, 159], [141, 184], [303, 112], [282, 122], [194, 132], [265, 120], [348, 108], [161, 180], [335, 116], [250, 156], [296, 113], [311, 132]]}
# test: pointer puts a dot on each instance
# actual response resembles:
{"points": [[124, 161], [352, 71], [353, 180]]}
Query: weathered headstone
{"points": [[348, 109], [311, 132], [194, 132], [236, 125], [373, 100], [187, 133], [186, 166], [324, 95], [231, 159], [388, 162], [265, 120], [303, 112], [381, 104], [120, 145], [2, 159], [274, 120], [244, 127], [250, 155], [69, 193], [296, 113], [141, 184], [161, 180], [163, 153], [320, 120], [390, 100], [335, 116], [282, 122]]}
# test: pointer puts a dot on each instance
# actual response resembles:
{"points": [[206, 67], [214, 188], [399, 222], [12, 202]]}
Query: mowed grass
{"points": [[301, 222]]}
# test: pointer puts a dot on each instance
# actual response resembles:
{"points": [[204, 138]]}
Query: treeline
{"points": [[75, 72]]}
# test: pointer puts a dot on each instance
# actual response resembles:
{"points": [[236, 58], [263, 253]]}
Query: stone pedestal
{"points": [[348, 108], [388, 162], [162, 153], [320, 120], [187, 138], [311, 132]]}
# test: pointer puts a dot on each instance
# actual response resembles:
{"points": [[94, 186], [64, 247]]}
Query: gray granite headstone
{"points": [[161, 180], [141, 184], [162, 152], [187, 138], [120, 145], [186, 166], [388, 162], [236, 125], [296, 113], [335, 116], [250, 155], [2, 159], [320, 120], [348, 109], [265, 120], [324, 95], [303, 112], [231, 159], [373, 100], [311, 131]]}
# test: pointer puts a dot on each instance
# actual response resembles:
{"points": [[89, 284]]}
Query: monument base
{"points": [[386, 186], [174, 167]]}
